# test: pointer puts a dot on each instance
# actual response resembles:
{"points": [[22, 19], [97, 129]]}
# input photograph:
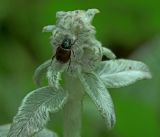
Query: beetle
{"points": [[64, 50]]}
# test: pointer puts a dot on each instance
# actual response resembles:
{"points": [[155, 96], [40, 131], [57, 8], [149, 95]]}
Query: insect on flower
{"points": [[64, 50]]}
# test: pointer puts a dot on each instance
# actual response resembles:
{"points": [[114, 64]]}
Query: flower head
{"points": [[86, 63], [76, 26]]}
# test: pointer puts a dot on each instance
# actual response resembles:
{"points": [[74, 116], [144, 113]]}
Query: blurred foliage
{"points": [[127, 27]]}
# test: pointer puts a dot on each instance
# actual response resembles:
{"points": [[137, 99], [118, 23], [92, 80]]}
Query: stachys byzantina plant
{"points": [[77, 61]]}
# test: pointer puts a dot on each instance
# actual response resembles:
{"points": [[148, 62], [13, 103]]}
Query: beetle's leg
{"points": [[73, 52], [69, 64], [70, 59], [52, 59]]}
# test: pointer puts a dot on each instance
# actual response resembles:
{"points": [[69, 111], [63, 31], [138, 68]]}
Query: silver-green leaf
{"points": [[120, 73], [33, 114], [49, 28], [40, 71], [4, 130], [100, 96], [108, 53], [44, 133]]}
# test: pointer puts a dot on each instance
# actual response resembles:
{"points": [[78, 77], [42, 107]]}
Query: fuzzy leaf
{"points": [[4, 130], [33, 114], [100, 96], [108, 53], [120, 73], [40, 71], [48, 28], [44, 133]]}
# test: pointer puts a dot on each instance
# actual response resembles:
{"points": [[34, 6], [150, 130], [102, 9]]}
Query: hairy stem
{"points": [[72, 109]]}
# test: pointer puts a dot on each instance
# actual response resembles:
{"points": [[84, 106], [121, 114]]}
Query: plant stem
{"points": [[72, 109]]}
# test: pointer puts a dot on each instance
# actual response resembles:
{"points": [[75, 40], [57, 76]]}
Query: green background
{"points": [[129, 27]]}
